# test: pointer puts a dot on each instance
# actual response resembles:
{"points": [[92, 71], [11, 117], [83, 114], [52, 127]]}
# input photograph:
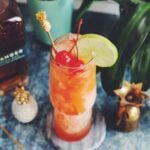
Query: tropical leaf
{"points": [[140, 68], [128, 35], [128, 40], [87, 3], [83, 8]]}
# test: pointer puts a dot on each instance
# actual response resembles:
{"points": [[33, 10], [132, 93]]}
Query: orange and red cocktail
{"points": [[72, 93]]}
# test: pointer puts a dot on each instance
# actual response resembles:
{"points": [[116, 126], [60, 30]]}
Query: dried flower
{"points": [[131, 98], [131, 94], [42, 18]]}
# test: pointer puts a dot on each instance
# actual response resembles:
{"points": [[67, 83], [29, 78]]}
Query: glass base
{"points": [[90, 142]]}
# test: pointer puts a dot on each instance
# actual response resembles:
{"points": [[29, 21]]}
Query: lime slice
{"points": [[98, 47]]}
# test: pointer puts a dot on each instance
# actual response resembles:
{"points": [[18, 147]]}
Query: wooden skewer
{"points": [[19, 145]]}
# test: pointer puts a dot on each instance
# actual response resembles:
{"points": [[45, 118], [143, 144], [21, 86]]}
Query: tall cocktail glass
{"points": [[72, 94]]}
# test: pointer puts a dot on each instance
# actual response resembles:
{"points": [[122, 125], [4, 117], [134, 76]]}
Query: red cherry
{"points": [[66, 58], [76, 65], [75, 62], [63, 57]]}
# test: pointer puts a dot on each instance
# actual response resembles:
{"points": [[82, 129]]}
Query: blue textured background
{"points": [[33, 136]]}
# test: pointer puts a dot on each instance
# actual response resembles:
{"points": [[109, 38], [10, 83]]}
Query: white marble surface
{"points": [[91, 141]]}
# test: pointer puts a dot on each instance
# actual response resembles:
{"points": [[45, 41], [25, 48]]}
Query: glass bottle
{"points": [[13, 67]]}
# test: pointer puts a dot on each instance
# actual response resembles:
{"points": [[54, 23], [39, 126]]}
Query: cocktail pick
{"points": [[19, 145], [24, 106], [45, 24]]}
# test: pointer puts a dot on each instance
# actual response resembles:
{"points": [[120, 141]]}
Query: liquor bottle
{"points": [[13, 67]]}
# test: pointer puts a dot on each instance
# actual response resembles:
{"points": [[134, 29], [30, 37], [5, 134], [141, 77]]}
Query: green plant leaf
{"points": [[128, 40], [87, 3], [140, 68], [137, 1], [83, 8]]}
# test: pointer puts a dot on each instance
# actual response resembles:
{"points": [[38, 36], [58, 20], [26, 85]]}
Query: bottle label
{"points": [[13, 56]]}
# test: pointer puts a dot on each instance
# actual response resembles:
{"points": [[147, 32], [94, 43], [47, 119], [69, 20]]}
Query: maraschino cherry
{"points": [[66, 58]]}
